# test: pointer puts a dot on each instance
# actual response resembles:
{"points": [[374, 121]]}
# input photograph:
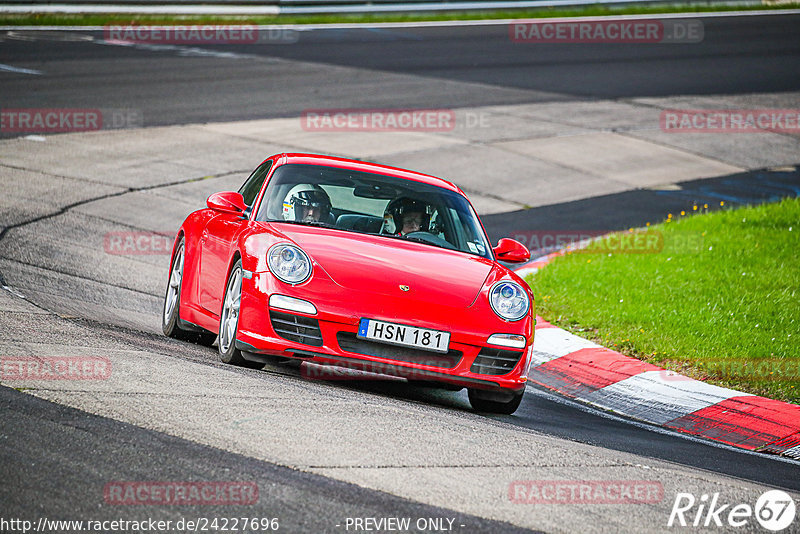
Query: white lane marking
{"points": [[181, 50], [47, 35], [794, 452], [184, 51], [18, 70], [656, 397], [14, 292], [141, 10]]}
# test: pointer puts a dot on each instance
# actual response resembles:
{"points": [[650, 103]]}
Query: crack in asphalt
{"points": [[54, 175], [68, 207]]}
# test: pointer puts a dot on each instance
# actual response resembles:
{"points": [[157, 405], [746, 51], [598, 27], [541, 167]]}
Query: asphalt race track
{"points": [[397, 68], [322, 453]]}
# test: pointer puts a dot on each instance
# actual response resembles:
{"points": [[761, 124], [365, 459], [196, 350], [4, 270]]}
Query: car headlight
{"points": [[289, 263], [509, 301]]}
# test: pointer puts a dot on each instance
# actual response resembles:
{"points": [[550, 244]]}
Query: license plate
{"points": [[404, 335]]}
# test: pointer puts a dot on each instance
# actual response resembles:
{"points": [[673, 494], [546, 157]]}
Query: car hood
{"points": [[381, 265]]}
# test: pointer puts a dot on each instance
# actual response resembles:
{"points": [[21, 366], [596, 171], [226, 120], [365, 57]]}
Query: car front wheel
{"points": [[229, 321], [494, 402]]}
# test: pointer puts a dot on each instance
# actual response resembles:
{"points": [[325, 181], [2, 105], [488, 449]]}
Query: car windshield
{"points": [[375, 204]]}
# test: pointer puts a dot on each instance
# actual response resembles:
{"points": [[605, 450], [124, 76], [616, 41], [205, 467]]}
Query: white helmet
{"points": [[303, 197]]}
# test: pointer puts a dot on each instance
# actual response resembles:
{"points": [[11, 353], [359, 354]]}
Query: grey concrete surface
{"points": [[551, 127]]}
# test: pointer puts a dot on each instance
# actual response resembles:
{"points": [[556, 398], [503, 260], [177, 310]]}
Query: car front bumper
{"points": [[328, 337]]}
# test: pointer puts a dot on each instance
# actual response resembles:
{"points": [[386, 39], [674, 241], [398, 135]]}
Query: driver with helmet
{"points": [[405, 215], [307, 203]]}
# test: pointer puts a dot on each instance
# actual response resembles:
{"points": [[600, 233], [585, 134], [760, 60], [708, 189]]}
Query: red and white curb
{"points": [[585, 371]]}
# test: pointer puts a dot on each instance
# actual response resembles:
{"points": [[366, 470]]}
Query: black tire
{"points": [[229, 321], [480, 401], [170, 314]]}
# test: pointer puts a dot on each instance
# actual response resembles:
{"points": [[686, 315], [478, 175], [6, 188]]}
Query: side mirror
{"points": [[227, 202], [511, 251]]}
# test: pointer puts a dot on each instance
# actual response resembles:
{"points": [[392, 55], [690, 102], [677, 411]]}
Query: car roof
{"points": [[343, 163]]}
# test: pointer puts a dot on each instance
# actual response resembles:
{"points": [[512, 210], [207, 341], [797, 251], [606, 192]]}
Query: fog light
{"points": [[282, 302], [507, 340]]}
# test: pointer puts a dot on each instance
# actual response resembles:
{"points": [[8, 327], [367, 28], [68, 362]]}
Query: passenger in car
{"points": [[405, 215], [412, 222]]}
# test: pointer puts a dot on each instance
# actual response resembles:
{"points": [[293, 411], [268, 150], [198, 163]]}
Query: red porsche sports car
{"points": [[358, 265]]}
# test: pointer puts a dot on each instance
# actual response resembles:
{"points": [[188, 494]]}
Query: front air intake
{"points": [[491, 361], [296, 328]]}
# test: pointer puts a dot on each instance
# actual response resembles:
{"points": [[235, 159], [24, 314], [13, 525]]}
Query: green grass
{"points": [[588, 11], [720, 302]]}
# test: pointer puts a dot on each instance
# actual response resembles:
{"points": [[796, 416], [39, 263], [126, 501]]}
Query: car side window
{"points": [[252, 185]]}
